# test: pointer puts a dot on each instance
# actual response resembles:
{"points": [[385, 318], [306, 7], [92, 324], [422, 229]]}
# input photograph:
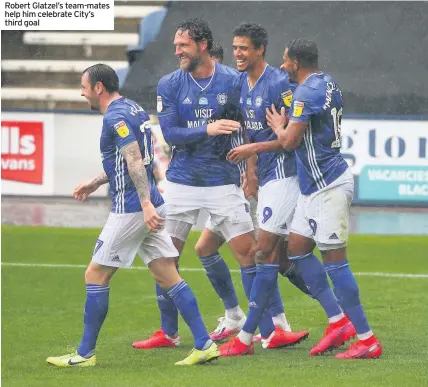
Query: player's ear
{"points": [[98, 87], [203, 45]]}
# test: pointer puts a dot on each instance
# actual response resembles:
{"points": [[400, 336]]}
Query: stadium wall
{"points": [[49, 153]]}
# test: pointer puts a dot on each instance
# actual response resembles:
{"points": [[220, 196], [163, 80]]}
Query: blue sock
{"points": [[346, 290], [247, 275], [185, 302], [219, 275], [261, 298], [315, 277], [96, 307], [276, 307], [169, 313]]}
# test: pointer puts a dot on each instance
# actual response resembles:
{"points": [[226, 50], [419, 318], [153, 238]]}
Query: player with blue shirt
{"points": [[322, 213], [211, 239], [196, 109], [135, 223], [260, 86]]}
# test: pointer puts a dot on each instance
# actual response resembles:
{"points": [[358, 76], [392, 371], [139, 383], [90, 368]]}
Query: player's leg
{"points": [[332, 240], [289, 270], [167, 335], [275, 217], [158, 253], [219, 275], [116, 247], [264, 297], [300, 251]]}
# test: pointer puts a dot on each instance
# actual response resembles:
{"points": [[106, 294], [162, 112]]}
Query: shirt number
{"points": [[337, 126]]}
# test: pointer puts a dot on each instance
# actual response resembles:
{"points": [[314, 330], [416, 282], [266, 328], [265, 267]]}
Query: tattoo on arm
{"points": [[100, 179], [132, 154]]}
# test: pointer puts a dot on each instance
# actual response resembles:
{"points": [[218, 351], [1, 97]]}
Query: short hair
{"points": [[257, 34], [105, 74], [305, 51], [217, 51], [198, 30]]}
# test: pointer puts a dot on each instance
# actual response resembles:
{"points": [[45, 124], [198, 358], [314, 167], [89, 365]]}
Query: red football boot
{"points": [[282, 338], [335, 335], [159, 339], [363, 349], [236, 347]]}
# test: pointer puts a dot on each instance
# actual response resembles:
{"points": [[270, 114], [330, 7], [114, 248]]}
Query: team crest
{"points": [[222, 99], [159, 105], [121, 129], [249, 101], [298, 108], [287, 96], [259, 101]]}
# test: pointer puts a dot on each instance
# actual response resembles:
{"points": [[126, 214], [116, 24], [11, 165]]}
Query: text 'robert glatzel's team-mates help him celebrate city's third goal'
{"points": [[51, 10]]}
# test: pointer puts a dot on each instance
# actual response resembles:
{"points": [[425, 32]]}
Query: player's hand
{"points": [[83, 190], [243, 152], [151, 218], [277, 121], [250, 186], [222, 127]]}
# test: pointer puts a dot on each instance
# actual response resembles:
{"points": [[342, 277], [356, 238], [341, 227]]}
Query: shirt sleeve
{"points": [[304, 104], [168, 118], [282, 94], [121, 130]]}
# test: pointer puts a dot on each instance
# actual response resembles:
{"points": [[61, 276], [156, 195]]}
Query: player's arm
{"points": [[244, 152], [250, 183], [83, 190], [134, 160], [305, 104], [126, 141], [175, 134], [277, 116], [137, 171]]}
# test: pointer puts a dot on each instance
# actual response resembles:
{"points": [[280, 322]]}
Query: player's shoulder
{"points": [[117, 111], [277, 77], [318, 83], [313, 88], [171, 80], [226, 70]]}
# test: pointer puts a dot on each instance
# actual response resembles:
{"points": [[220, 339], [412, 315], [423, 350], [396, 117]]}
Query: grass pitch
{"points": [[42, 315]]}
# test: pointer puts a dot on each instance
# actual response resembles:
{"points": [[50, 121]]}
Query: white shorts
{"points": [[125, 235], [245, 226], [277, 203], [324, 215], [226, 205]]}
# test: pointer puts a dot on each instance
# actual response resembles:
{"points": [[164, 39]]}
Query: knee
{"points": [[203, 249], [94, 274], [264, 255], [246, 255]]}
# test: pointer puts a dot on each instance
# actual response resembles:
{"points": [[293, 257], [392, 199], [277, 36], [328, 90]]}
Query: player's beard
{"points": [[194, 62], [292, 75]]}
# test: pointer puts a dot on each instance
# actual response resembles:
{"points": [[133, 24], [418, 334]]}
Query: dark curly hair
{"points": [[217, 51], [305, 51], [255, 32], [198, 30]]}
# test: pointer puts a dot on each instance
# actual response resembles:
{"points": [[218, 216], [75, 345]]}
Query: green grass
{"points": [[42, 312]]}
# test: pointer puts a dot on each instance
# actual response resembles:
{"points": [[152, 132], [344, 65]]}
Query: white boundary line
{"points": [[196, 269]]}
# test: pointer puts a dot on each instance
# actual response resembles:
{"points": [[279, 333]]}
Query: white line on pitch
{"points": [[197, 269]]}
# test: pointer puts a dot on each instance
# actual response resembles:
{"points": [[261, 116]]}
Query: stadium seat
{"points": [[135, 11], [80, 38], [149, 29], [54, 66]]}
